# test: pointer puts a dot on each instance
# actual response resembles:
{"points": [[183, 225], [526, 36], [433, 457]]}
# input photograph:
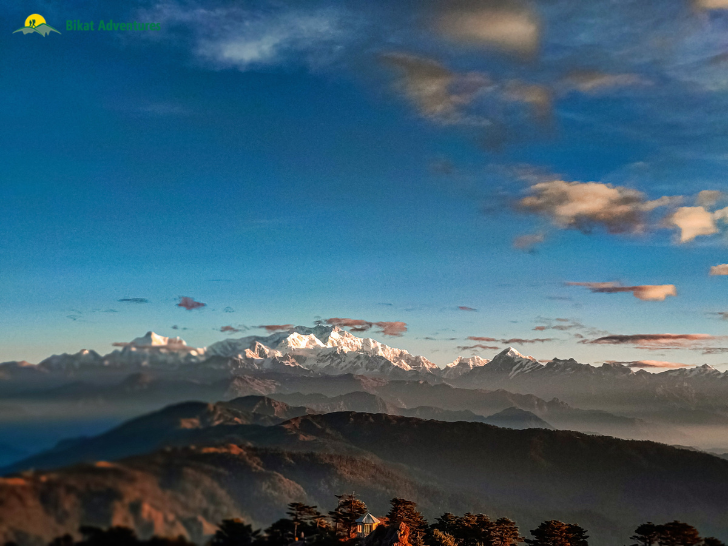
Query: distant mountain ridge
{"points": [[330, 350]]}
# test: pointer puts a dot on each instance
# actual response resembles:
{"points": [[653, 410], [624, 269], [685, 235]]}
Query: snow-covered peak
{"points": [[462, 365], [699, 371], [513, 362], [150, 339], [299, 341]]}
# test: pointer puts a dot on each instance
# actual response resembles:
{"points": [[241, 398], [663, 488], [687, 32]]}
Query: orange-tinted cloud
{"points": [[276, 327], [394, 329], [585, 205], [655, 341], [229, 329], [466, 308], [652, 364], [478, 346], [189, 303], [508, 25], [476, 338], [513, 341], [721, 269], [645, 292]]}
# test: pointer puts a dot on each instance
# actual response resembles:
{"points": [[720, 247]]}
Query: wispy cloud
{"points": [[229, 330], [276, 327], [477, 347], [395, 329], [437, 92], [189, 303], [528, 242], [657, 341], [512, 341], [651, 364], [236, 36], [645, 292], [508, 25], [133, 300], [593, 81], [465, 308]]}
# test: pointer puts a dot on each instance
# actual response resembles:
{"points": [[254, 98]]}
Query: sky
{"points": [[545, 175]]}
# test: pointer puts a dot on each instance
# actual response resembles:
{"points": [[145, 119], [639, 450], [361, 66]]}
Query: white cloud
{"points": [[696, 221], [721, 269], [582, 205]]}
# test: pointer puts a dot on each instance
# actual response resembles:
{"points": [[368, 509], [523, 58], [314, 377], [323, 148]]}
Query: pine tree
{"points": [[677, 533], [405, 511], [646, 534], [557, 533], [234, 532], [349, 509], [441, 538], [505, 533]]}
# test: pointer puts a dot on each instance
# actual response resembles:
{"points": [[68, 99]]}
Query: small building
{"points": [[366, 524]]}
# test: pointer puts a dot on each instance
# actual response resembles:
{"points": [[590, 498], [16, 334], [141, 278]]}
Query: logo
{"points": [[36, 23]]}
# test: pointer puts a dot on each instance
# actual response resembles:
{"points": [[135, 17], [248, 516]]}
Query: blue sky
{"points": [[287, 163]]}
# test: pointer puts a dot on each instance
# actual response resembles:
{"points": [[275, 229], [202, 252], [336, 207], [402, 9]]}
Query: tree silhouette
{"points": [[405, 511], [674, 533], [113, 536], [646, 534], [677, 533], [348, 510], [505, 533], [65, 540], [234, 532], [440, 538], [712, 541], [557, 533]]}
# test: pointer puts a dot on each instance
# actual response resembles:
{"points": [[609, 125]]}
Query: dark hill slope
{"points": [[608, 485]]}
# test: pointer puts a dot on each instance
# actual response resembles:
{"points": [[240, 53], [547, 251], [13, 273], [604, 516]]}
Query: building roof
{"points": [[367, 518]]}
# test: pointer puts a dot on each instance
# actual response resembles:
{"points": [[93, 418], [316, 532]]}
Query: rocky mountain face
{"points": [[211, 466]]}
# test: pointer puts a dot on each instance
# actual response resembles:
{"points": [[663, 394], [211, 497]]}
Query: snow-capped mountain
{"points": [[462, 365], [328, 350], [512, 363]]}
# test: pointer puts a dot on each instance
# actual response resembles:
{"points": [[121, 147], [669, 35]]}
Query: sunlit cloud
{"points": [[585, 205], [693, 222], [592, 81], [477, 347], [513, 341], [507, 25], [711, 4], [651, 364], [394, 329], [656, 341], [436, 92], [721, 269], [276, 327], [189, 303], [646, 292], [466, 308]]}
